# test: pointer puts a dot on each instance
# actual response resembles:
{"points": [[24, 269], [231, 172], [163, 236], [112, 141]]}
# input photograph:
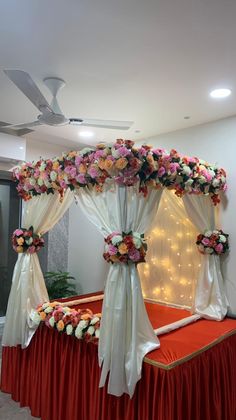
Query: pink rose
{"points": [[161, 171], [81, 179], [219, 248], [112, 250], [123, 151], [205, 241], [18, 232], [134, 255], [78, 160]]}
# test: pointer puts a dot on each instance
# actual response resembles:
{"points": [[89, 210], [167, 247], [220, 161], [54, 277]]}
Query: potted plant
{"points": [[58, 284]]}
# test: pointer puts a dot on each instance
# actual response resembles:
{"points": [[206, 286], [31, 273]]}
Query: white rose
{"points": [[202, 179], [69, 329], [45, 305], [52, 321], [208, 250], [211, 172], [215, 232], [42, 166], [137, 243], [222, 239], [215, 182], [66, 310], [82, 324], [115, 153], [86, 150], [78, 333], [47, 183], [91, 330], [32, 181], [208, 233], [29, 241], [53, 175], [186, 170], [97, 333], [94, 320], [48, 310], [116, 239], [35, 317], [40, 182]]}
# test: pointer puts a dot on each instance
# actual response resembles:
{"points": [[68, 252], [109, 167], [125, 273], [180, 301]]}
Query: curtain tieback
{"points": [[121, 247], [25, 240], [213, 242]]}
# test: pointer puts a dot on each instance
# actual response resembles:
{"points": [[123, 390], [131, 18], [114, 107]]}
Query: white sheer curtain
{"points": [[210, 299], [28, 286], [173, 261], [126, 333]]}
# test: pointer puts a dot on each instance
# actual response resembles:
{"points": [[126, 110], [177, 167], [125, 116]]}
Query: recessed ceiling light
{"points": [[21, 148], [87, 134], [220, 93], [187, 117], [138, 131]]}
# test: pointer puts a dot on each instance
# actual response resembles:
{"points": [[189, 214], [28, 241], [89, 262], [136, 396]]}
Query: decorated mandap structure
{"points": [[119, 188]]}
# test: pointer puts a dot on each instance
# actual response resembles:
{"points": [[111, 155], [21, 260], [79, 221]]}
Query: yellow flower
{"points": [[42, 315], [72, 154], [60, 325], [20, 241], [82, 169], [19, 249], [114, 258], [108, 164], [55, 165], [121, 163], [150, 159], [101, 163], [123, 249], [86, 316]]}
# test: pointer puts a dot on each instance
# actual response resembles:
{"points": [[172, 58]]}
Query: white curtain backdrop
{"points": [[173, 261], [126, 334], [28, 286], [210, 299]]}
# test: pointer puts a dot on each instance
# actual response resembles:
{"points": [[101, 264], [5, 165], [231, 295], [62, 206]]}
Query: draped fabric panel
{"points": [[57, 377], [173, 261], [126, 334], [210, 299], [28, 286]]}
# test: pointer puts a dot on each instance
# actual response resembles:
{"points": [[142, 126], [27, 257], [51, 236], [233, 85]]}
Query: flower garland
{"points": [[125, 247], [80, 323], [213, 242], [25, 240], [126, 165]]}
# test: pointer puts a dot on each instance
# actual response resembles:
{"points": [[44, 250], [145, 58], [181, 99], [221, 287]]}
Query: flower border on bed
{"points": [[80, 323]]}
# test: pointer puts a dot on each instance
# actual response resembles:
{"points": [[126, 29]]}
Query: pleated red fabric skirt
{"points": [[57, 376]]}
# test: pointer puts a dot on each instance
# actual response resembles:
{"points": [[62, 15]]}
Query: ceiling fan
{"points": [[52, 114]]}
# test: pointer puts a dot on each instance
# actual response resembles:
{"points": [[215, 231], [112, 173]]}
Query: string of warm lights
{"points": [[173, 262]]}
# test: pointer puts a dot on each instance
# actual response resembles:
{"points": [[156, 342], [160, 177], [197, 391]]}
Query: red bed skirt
{"points": [[57, 377]]}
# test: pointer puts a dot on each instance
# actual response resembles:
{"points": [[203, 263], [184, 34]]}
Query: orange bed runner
{"points": [[183, 344]]}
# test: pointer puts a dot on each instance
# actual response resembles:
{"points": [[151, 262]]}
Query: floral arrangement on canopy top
{"points": [[126, 165]]}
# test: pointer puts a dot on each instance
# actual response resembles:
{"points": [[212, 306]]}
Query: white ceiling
{"points": [[152, 62]]}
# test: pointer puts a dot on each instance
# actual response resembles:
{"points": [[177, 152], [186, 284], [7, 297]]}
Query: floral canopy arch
{"points": [[119, 188]]}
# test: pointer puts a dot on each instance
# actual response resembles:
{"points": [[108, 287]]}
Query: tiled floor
{"points": [[9, 409]]}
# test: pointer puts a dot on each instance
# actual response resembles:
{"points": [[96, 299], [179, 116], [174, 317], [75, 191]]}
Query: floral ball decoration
{"points": [[125, 247], [213, 242], [25, 240], [80, 323]]}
